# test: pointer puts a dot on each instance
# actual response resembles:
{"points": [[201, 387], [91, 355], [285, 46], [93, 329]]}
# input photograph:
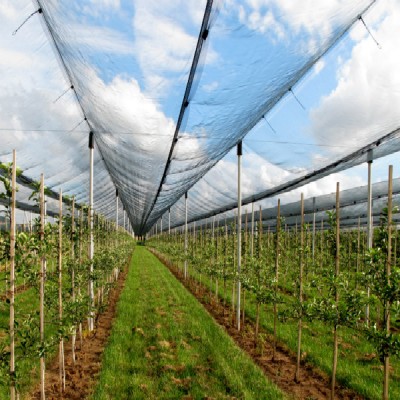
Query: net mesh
{"points": [[169, 88]]}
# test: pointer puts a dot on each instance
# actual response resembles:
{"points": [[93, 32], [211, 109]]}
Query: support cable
{"points": [[185, 102]]}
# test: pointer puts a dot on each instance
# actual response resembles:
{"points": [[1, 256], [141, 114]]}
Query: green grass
{"points": [[164, 345], [27, 367]]}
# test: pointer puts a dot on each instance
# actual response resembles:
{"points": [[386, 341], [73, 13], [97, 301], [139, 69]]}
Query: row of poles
{"points": [[337, 257], [239, 152], [13, 225]]}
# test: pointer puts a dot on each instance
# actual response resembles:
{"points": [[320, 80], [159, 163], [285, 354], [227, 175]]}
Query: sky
{"points": [[129, 63]]}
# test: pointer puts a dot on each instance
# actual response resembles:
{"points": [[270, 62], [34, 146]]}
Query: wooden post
{"points": [[12, 278], [370, 228], [239, 233], [278, 227], [337, 270], [297, 373], [252, 231], [60, 299], [313, 232], [358, 249], [73, 295], [186, 234], [124, 214], [386, 363], [258, 275], [116, 271], [91, 237], [42, 278]]}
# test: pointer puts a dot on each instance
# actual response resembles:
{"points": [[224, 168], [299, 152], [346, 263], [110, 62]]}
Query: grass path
{"points": [[164, 345]]}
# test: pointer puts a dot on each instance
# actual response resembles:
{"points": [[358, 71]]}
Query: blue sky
{"points": [[137, 55]]}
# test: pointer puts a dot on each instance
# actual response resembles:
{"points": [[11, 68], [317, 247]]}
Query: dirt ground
{"points": [[314, 385], [81, 377]]}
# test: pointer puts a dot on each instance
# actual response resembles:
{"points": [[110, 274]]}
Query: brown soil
{"points": [[81, 377], [313, 385]]}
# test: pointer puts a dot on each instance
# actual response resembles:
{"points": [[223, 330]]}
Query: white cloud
{"points": [[282, 19], [97, 38], [366, 100], [319, 66], [166, 34], [210, 87]]}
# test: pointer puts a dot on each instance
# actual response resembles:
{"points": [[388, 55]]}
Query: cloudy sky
{"points": [[129, 63]]}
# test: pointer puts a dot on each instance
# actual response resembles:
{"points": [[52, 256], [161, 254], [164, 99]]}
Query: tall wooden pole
{"points": [[386, 364], [252, 231], [73, 295], [124, 214], [186, 234], [116, 211], [369, 222], [60, 299], [337, 270], [91, 235], [299, 332], [239, 232], [12, 278], [278, 228], [313, 231], [41, 299]]}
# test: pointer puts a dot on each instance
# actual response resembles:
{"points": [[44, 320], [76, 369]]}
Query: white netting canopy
{"points": [[168, 88]]}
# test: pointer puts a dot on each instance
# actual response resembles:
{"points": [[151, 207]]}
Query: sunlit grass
{"points": [[164, 345]]}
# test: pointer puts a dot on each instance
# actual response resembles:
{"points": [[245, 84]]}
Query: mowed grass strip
{"points": [[164, 345]]}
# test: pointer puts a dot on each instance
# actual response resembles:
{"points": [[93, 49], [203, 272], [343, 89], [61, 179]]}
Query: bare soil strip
{"points": [[314, 384], [81, 377]]}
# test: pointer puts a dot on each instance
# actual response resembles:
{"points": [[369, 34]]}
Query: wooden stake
{"points": [[12, 278], [386, 363], [73, 275], [42, 279], [91, 237], [186, 236], [278, 227], [297, 373], [337, 267], [370, 228], [252, 231], [60, 299], [239, 234]]}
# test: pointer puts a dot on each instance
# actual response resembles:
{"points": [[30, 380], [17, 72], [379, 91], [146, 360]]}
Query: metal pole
{"points": [[91, 244], [239, 232], [169, 221]]}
